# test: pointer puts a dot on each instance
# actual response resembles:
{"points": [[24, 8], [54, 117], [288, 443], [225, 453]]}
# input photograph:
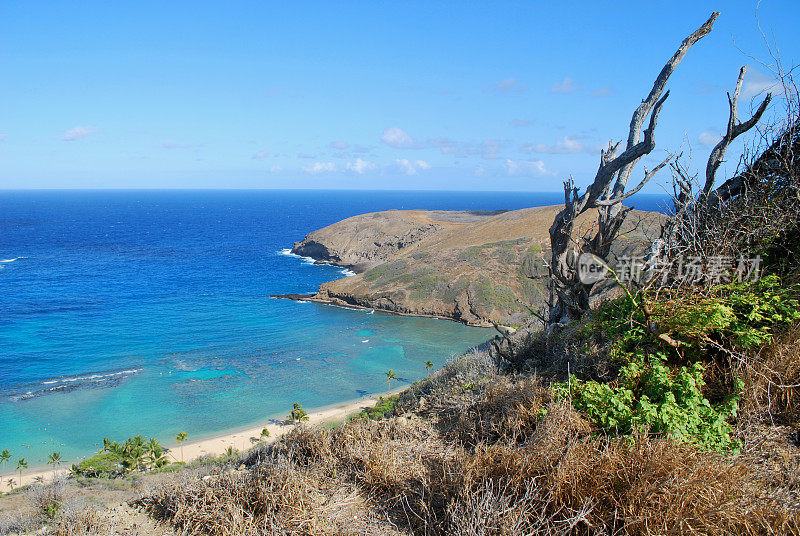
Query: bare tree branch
{"points": [[734, 130], [655, 94], [647, 176], [569, 296]]}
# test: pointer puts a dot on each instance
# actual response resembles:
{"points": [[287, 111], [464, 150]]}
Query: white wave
{"points": [[92, 377], [347, 272], [365, 340], [288, 253], [11, 260]]}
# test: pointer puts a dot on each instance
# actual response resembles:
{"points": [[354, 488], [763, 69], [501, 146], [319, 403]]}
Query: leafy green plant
{"points": [[649, 397], [103, 465], [382, 408]]}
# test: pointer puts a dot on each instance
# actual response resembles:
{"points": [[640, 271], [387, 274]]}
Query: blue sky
{"points": [[412, 95]]}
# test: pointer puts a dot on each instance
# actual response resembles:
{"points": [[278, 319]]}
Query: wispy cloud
{"points": [[567, 85], [340, 145], [307, 156], [533, 168], [3, 137], [398, 138], [709, 138], [275, 169], [316, 168], [361, 166], [601, 92], [490, 148], [261, 154], [522, 122], [509, 85], [445, 145], [412, 167], [174, 145], [568, 145], [756, 83], [78, 133], [526, 148]]}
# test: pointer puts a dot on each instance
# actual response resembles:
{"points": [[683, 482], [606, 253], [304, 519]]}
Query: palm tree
{"points": [[180, 438], [55, 460], [389, 377], [21, 464], [10, 483], [155, 454], [108, 445], [135, 451], [264, 433], [428, 366], [4, 457], [230, 452], [298, 413]]}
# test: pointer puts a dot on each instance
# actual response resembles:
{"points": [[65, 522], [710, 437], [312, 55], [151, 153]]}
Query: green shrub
{"points": [[651, 398], [103, 465], [382, 409]]}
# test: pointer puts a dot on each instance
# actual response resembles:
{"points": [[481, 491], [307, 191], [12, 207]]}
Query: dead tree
{"points": [[569, 297], [694, 214]]}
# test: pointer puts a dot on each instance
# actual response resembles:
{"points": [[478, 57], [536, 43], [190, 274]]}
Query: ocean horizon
{"points": [[148, 312]]}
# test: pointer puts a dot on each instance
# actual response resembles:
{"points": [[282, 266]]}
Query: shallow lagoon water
{"points": [[148, 312]]}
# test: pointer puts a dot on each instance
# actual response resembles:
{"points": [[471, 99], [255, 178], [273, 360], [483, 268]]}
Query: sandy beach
{"points": [[215, 446]]}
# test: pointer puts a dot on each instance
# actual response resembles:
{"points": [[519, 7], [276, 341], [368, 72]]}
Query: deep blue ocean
{"points": [[148, 312]]}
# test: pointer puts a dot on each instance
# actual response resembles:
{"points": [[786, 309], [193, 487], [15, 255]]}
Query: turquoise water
{"points": [[128, 313]]}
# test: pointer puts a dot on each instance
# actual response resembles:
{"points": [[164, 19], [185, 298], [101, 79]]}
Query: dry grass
{"points": [[772, 381], [504, 458]]}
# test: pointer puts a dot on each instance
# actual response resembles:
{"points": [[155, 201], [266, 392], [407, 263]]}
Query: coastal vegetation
{"points": [[298, 414], [670, 405], [137, 454]]}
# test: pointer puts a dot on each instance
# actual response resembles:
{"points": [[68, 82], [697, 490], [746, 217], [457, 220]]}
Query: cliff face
{"points": [[474, 267]]}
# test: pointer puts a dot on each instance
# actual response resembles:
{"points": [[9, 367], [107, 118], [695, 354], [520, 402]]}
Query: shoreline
{"points": [[241, 438], [335, 302]]}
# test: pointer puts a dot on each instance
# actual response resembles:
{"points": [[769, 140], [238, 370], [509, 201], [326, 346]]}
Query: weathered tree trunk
{"points": [[569, 297]]}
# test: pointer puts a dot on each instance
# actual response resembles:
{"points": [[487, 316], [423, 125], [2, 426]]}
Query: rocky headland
{"points": [[476, 267]]}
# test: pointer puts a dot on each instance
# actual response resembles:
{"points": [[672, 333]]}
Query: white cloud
{"points": [[564, 86], [261, 154], [489, 149], [445, 145], [568, 145], [78, 133], [341, 145], [601, 92], [509, 85], [173, 145], [526, 148], [756, 83], [535, 168], [319, 167], [397, 137], [709, 138], [361, 166], [275, 169], [412, 168]]}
